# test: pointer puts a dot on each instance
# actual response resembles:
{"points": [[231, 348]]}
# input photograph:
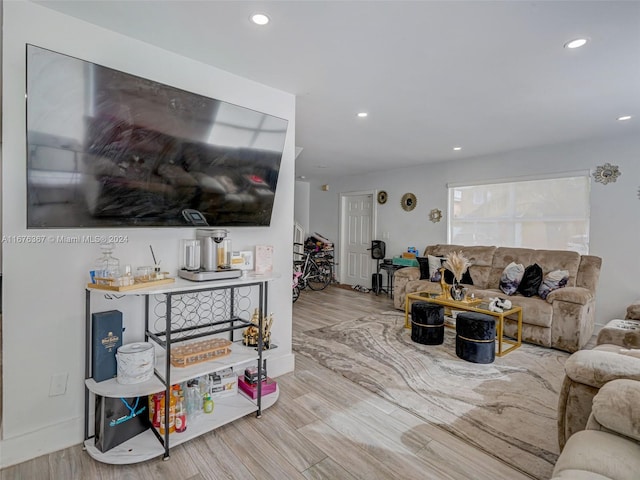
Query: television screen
{"points": [[106, 148]]}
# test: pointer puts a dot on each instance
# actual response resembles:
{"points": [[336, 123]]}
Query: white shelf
{"points": [[182, 285], [111, 388], [227, 409], [240, 355], [146, 446]]}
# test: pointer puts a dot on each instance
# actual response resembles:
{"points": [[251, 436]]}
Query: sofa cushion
{"points": [[572, 474], [414, 286], [430, 270], [481, 258], [511, 278], [502, 257], [553, 281], [534, 311], [435, 264], [425, 271], [603, 454], [551, 260], [531, 280], [617, 405]]}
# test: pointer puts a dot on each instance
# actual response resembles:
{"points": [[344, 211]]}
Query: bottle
{"points": [[107, 266], [172, 414], [208, 404], [157, 409], [181, 416]]}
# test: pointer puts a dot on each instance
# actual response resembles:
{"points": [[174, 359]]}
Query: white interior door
{"points": [[356, 234]]}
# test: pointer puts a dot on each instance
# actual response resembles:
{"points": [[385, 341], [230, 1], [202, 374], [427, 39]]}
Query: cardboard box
{"points": [[251, 390], [223, 383], [251, 374]]}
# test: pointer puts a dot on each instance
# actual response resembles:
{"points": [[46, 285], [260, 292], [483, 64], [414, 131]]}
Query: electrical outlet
{"points": [[58, 384]]}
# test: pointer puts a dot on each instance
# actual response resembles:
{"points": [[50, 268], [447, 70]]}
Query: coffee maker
{"points": [[213, 250]]}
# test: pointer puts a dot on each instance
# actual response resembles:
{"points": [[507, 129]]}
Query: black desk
{"points": [[390, 268]]}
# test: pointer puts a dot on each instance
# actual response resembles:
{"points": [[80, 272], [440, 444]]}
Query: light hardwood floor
{"points": [[322, 427]]}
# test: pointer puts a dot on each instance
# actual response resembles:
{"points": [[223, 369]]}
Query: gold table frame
{"points": [[471, 306]]}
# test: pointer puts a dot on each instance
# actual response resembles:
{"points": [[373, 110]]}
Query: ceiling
{"points": [[487, 76]]}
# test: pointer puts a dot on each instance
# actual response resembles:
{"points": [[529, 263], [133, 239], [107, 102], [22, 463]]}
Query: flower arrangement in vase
{"points": [[457, 264]]}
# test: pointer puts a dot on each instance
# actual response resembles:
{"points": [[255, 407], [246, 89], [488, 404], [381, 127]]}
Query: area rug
{"points": [[507, 408]]}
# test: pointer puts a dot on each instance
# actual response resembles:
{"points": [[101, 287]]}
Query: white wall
{"points": [[301, 204], [43, 320], [615, 208]]}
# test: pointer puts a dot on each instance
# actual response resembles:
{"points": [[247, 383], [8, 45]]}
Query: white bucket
{"points": [[136, 362]]}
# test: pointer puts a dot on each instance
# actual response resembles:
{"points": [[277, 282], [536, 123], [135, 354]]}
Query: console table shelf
{"points": [[181, 312]]}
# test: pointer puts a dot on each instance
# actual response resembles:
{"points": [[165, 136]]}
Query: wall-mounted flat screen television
{"points": [[110, 149]]}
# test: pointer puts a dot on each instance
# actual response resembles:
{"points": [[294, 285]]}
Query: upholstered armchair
{"points": [[616, 356], [586, 371], [609, 447]]}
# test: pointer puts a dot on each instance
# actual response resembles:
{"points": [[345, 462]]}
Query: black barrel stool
{"points": [[427, 323], [476, 337]]}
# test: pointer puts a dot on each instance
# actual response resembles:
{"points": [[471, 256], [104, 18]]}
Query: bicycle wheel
{"points": [[319, 277], [296, 293]]}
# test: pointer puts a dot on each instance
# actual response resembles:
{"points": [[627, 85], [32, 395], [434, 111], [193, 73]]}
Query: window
{"points": [[549, 213]]}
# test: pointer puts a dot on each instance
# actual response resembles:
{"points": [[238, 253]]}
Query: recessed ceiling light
{"points": [[624, 117], [576, 43], [457, 148], [259, 19], [302, 177], [363, 114]]}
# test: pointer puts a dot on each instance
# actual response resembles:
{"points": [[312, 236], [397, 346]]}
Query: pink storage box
{"points": [[251, 390]]}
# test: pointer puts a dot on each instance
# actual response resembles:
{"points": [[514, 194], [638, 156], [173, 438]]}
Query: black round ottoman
{"points": [[427, 323], [476, 337]]}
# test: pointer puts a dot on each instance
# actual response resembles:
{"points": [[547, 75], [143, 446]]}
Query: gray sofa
{"points": [[564, 320]]}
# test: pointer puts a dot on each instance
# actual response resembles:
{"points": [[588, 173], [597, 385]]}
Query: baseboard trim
{"points": [[52, 438], [41, 442]]}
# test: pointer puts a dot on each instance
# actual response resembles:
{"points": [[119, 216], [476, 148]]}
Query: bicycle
{"points": [[316, 275], [296, 286]]}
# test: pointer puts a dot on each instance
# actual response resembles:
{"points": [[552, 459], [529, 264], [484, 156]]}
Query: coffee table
{"points": [[479, 306]]}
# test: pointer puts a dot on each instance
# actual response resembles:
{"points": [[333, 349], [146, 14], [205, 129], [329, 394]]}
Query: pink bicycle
{"points": [[296, 287]]}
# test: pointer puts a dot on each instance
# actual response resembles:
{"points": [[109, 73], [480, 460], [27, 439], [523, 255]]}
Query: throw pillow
{"points": [[466, 277], [434, 267], [424, 268], [435, 263], [511, 278], [553, 281], [531, 280]]}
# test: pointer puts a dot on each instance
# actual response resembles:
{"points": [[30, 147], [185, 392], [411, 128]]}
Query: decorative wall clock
{"points": [[435, 215], [606, 173], [382, 197], [408, 202]]}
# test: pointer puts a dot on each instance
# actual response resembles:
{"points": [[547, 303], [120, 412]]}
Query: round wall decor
{"points": [[435, 215], [382, 197], [408, 202], [606, 173]]}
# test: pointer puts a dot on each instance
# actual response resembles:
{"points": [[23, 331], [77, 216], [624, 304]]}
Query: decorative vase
{"points": [[443, 286], [457, 291]]}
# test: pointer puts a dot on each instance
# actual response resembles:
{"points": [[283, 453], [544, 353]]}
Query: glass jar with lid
{"points": [[107, 266]]}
